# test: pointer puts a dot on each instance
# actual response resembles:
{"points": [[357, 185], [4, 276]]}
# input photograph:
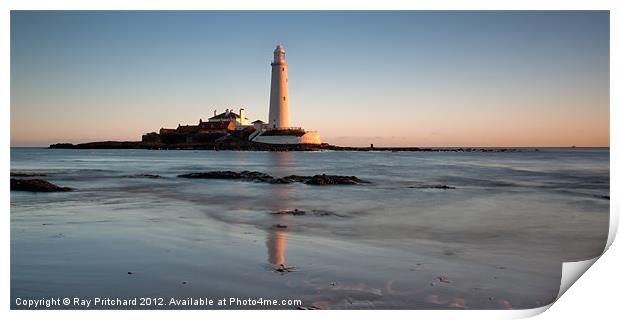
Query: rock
{"points": [[212, 175], [322, 213], [433, 186], [129, 272], [240, 143], [27, 174], [282, 268], [443, 279], [281, 226], [256, 176], [295, 212], [36, 185], [324, 179], [145, 175], [231, 175]]}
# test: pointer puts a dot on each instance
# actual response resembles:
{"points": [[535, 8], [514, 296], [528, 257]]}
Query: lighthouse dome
{"points": [[279, 48]]}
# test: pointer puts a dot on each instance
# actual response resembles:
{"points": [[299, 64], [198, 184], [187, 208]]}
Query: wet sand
{"points": [[495, 241]]}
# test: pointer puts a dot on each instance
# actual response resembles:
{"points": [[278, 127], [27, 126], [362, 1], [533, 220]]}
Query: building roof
{"points": [[225, 115], [258, 121], [214, 125], [279, 47], [187, 129]]}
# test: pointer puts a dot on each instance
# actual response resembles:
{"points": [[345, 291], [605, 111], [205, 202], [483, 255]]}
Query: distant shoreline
{"points": [[253, 146]]}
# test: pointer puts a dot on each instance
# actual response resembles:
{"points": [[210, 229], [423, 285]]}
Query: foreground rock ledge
{"points": [[36, 185], [256, 176]]}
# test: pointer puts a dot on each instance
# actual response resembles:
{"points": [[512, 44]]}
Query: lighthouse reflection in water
{"points": [[277, 234]]}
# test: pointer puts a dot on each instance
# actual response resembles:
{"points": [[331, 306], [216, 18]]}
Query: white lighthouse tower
{"points": [[278, 103], [278, 129]]}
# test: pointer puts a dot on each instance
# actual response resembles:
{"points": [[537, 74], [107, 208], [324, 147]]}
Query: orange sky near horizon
{"points": [[427, 79]]}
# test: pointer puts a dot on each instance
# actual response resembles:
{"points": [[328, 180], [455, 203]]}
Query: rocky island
{"points": [[237, 145]]}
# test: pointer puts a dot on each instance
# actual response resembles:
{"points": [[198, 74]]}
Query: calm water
{"points": [[499, 237]]}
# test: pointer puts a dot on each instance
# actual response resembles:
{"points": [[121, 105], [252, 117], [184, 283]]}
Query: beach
{"points": [[430, 230]]}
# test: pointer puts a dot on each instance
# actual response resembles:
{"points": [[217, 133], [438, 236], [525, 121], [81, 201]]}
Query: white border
{"points": [[593, 295]]}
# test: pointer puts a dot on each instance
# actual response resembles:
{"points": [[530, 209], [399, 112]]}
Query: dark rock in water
{"points": [[212, 175], [323, 213], [604, 197], [145, 175], [36, 185], [27, 174], [282, 268], [295, 212], [324, 179], [443, 279], [256, 176], [231, 175], [281, 226], [433, 186]]}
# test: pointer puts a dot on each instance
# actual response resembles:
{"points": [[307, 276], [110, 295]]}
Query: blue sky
{"points": [[420, 78]]}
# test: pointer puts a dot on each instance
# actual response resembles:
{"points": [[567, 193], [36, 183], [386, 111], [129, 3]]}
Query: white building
{"points": [[239, 120]]}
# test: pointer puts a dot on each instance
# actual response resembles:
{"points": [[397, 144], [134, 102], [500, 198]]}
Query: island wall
{"points": [[310, 137]]}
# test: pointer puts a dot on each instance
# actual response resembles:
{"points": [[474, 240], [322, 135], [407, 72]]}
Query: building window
{"points": [[282, 69], [284, 98]]}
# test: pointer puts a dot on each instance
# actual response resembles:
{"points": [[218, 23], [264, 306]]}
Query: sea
{"points": [[430, 230]]}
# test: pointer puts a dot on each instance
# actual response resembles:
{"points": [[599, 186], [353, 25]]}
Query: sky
{"points": [[402, 78]]}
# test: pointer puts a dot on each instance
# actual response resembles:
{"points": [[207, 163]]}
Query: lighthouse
{"points": [[278, 129], [278, 102]]}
